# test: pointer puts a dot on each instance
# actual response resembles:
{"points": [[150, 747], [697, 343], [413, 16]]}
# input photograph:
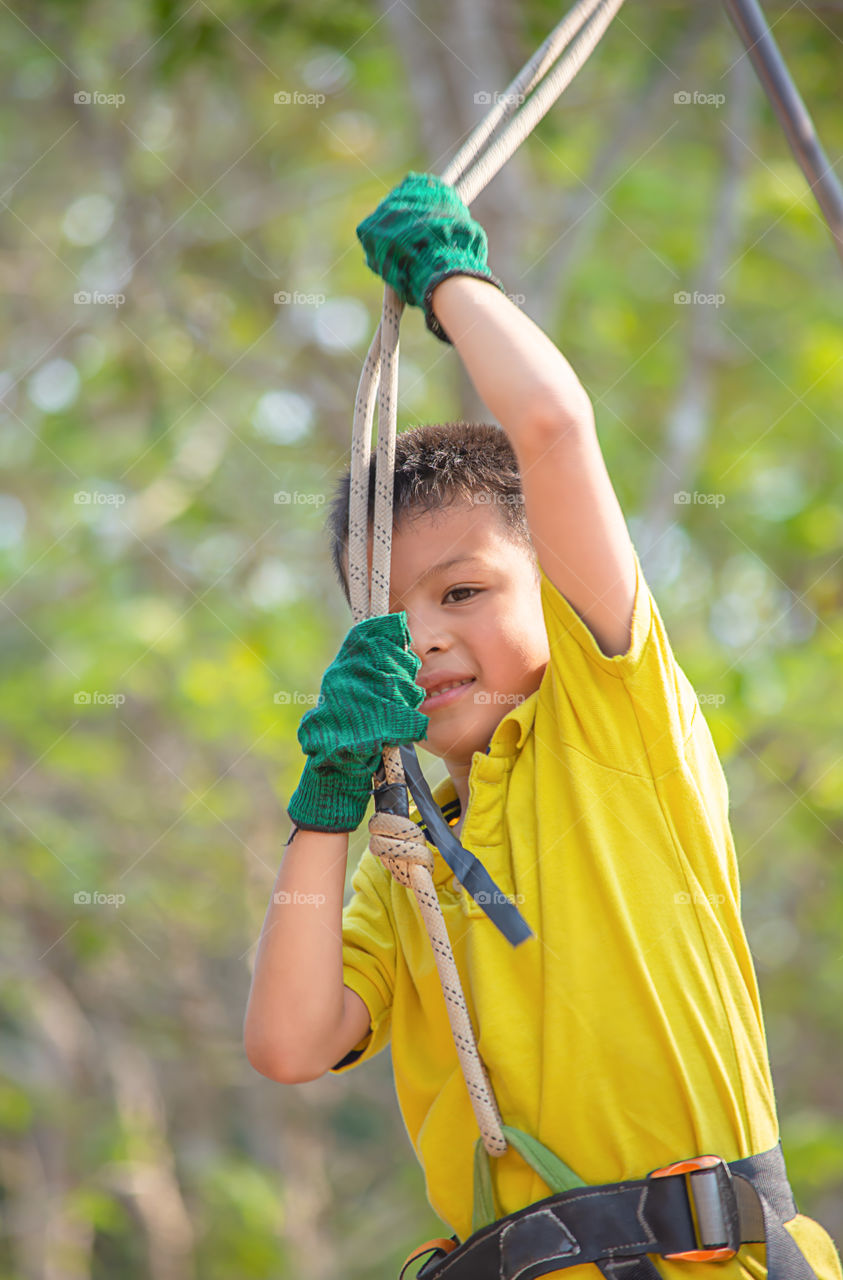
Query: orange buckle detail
{"points": [[440, 1245], [711, 1197]]}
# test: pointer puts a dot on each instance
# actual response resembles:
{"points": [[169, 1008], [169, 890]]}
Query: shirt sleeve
{"points": [[368, 938], [634, 711]]}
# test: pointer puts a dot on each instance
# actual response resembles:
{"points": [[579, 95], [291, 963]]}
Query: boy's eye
{"points": [[455, 590]]}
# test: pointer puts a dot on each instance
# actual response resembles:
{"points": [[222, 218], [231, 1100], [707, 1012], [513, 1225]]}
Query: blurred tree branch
{"points": [[688, 422]]}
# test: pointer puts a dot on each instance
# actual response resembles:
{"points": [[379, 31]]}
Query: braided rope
{"points": [[398, 842], [470, 184], [401, 846], [516, 92]]}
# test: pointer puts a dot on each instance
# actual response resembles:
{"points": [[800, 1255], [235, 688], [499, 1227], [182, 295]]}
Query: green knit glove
{"points": [[418, 236], [369, 697]]}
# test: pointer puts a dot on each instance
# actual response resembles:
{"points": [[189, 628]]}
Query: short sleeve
{"points": [[368, 938], [633, 711]]}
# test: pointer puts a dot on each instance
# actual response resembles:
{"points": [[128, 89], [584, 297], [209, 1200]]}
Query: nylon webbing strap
{"points": [[615, 1226], [629, 1269], [763, 1188], [470, 872]]}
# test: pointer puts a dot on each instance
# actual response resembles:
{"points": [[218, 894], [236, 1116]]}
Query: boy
{"points": [[626, 1034]]}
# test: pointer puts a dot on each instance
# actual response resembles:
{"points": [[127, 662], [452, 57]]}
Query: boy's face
{"points": [[480, 621]]}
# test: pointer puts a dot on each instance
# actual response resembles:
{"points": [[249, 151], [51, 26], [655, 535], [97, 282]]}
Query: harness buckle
{"points": [[714, 1208]]}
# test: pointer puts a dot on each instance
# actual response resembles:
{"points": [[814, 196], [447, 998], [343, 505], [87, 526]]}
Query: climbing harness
{"points": [[700, 1209], [697, 1210]]}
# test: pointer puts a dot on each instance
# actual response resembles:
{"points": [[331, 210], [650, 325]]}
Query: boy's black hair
{"points": [[435, 466]]}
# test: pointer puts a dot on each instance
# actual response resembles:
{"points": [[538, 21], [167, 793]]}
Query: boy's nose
{"points": [[424, 638]]}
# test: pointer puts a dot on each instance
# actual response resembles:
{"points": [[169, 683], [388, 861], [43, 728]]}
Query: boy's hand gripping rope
{"points": [[398, 842], [369, 697]]}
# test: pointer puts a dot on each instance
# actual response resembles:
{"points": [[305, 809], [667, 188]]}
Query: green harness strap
{"points": [[553, 1171]]}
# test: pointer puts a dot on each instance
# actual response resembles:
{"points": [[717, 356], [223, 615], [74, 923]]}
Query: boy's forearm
{"points": [[575, 520], [295, 1013], [519, 373]]}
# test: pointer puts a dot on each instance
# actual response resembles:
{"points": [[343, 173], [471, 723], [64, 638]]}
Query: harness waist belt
{"points": [[698, 1210]]}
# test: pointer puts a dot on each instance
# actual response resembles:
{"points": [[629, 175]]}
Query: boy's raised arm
{"points": [[573, 514], [423, 241]]}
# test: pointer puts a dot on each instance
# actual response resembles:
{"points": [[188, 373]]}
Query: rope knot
{"points": [[398, 843]]}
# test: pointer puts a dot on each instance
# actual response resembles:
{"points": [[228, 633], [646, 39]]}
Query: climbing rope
{"points": [[397, 841]]}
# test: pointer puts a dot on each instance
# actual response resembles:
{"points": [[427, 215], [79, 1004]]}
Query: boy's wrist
{"points": [[418, 236], [431, 319]]}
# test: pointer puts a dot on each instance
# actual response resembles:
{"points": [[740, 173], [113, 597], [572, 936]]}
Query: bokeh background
{"points": [[186, 311]]}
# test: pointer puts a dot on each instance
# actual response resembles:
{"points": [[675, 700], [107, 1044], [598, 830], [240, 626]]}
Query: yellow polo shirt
{"points": [[627, 1033]]}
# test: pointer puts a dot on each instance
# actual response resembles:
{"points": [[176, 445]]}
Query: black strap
{"points": [[629, 1269], [468, 869], [615, 1226]]}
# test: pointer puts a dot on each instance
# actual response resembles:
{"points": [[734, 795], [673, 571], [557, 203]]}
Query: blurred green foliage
{"points": [[167, 449]]}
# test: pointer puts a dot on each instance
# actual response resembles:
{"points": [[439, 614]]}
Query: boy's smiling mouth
{"points": [[443, 690]]}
